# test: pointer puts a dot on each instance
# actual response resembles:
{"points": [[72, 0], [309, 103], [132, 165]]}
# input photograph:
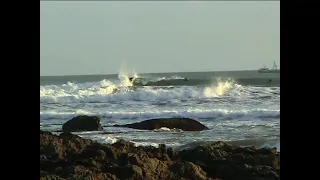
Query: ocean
{"points": [[241, 107]]}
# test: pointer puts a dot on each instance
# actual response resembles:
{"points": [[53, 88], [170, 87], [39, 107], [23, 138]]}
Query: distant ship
{"points": [[267, 70]]}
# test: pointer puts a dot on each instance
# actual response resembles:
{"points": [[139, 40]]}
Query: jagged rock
{"points": [[69, 156]]}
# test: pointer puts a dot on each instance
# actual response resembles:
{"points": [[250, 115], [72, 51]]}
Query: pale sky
{"points": [[83, 37]]}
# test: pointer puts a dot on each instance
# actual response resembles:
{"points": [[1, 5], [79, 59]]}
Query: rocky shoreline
{"points": [[68, 156]]}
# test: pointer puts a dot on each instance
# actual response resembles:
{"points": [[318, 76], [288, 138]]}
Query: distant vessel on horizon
{"points": [[267, 70]]}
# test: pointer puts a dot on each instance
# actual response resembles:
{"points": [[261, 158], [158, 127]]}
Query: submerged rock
{"points": [[185, 124], [69, 156], [82, 123]]}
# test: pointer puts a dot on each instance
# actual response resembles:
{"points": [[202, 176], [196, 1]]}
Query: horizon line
{"points": [[144, 73]]}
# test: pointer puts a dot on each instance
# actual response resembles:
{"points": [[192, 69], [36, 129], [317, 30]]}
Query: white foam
{"points": [[63, 115], [144, 143], [106, 138], [106, 91], [169, 78], [191, 113], [125, 73], [219, 90], [165, 129]]}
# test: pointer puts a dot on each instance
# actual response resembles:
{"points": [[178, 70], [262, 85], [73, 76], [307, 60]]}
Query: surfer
{"points": [[186, 79], [131, 79]]}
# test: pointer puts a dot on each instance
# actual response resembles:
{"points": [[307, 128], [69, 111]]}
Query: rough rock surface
{"points": [[185, 124], [82, 123], [69, 156]]}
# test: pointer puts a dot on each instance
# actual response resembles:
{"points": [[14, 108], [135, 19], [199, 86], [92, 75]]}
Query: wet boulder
{"points": [[82, 123], [185, 124]]}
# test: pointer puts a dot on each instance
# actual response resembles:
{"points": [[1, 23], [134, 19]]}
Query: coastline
{"points": [[68, 156]]}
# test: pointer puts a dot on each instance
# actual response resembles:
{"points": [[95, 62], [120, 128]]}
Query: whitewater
{"points": [[242, 107]]}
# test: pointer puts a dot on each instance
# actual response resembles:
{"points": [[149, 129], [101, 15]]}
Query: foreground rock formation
{"points": [[185, 124], [69, 156], [82, 123]]}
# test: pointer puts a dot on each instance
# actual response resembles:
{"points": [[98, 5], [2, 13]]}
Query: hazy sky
{"points": [[82, 37]]}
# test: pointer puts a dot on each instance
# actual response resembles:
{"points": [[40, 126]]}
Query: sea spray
{"points": [[242, 109], [219, 88], [125, 73]]}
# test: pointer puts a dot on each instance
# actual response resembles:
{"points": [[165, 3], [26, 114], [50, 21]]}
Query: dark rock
{"points": [[82, 123], [51, 177], [189, 170], [185, 124], [171, 153], [69, 156], [218, 159], [134, 159], [162, 148], [43, 157]]}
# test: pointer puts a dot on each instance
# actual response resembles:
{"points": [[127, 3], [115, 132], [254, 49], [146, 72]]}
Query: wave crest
{"points": [[219, 89], [107, 91]]}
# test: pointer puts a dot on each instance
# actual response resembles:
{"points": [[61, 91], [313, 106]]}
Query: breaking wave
{"points": [[108, 91]]}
